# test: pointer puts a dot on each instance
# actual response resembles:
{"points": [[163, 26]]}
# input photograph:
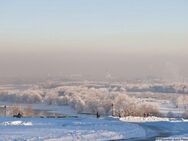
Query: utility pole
{"points": [[5, 110], [112, 109]]}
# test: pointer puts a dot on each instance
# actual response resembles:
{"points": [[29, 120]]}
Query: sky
{"points": [[126, 38]]}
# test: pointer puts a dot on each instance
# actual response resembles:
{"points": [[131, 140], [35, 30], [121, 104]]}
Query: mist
{"points": [[93, 65], [94, 39]]}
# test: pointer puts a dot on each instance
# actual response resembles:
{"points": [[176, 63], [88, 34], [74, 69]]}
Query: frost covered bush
{"points": [[182, 101], [148, 109], [185, 114], [26, 96], [83, 99], [15, 109], [30, 96], [91, 100], [132, 108], [158, 87], [171, 115], [28, 111]]}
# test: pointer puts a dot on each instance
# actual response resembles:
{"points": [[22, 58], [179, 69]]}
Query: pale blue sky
{"points": [[85, 20], [100, 15], [82, 29]]}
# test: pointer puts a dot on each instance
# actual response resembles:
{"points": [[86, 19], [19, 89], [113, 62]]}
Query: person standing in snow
{"points": [[98, 116]]}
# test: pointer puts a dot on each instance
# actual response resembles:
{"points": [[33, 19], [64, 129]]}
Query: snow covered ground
{"points": [[144, 119], [16, 123], [68, 129], [88, 129]]}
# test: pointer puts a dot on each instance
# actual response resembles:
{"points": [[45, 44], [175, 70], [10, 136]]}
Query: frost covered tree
{"points": [[182, 101]]}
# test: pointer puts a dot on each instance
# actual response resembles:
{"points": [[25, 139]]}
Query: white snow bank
{"points": [[183, 137], [185, 120], [16, 123], [151, 119], [143, 119]]}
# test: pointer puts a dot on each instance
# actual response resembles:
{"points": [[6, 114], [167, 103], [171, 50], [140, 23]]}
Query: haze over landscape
{"points": [[97, 70], [128, 38]]}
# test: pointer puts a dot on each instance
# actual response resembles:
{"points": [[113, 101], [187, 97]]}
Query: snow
{"points": [[151, 119], [82, 128], [143, 119], [185, 120], [16, 123], [183, 137], [88, 128]]}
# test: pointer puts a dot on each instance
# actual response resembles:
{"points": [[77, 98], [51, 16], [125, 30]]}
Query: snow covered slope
{"points": [[68, 129], [87, 128]]}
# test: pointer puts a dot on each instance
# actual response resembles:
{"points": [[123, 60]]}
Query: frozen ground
{"points": [[87, 128], [144, 119], [68, 129], [166, 129]]}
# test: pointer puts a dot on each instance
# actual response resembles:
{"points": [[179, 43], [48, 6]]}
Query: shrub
{"points": [[185, 114]]}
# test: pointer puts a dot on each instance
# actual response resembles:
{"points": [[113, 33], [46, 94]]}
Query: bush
{"points": [[185, 115], [82, 99], [171, 115], [14, 110]]}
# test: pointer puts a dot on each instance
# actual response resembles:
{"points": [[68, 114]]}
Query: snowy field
{"points": [[83, 100], [87, 129], [32, 129]]}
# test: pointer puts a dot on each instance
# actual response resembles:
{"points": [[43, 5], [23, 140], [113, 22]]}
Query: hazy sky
{"points": [[127, 38]]}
